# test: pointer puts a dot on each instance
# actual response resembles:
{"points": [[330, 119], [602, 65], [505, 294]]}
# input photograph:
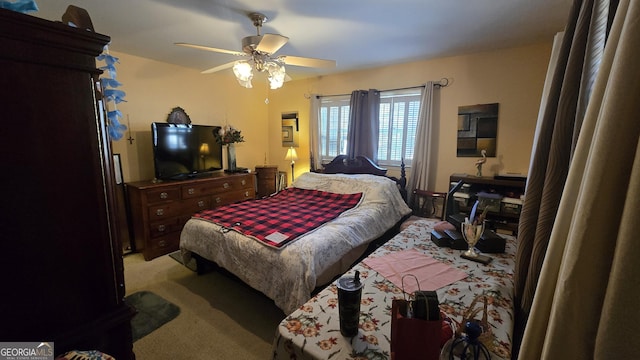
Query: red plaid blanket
{"points": [[281, 218]]}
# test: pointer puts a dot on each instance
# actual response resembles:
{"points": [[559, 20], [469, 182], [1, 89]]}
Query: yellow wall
{"points": [[512, 77], [154, 88]]}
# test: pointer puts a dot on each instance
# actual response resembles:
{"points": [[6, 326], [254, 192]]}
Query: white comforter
{"points": [[289, 275]]}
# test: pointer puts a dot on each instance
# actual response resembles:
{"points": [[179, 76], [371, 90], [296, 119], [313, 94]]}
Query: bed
{"points": [[312, 331], [289, 274]]}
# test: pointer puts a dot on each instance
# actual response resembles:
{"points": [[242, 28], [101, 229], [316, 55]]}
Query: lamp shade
{"points": [[276, 75], [204, 149], [291, 154], [243, 72]]}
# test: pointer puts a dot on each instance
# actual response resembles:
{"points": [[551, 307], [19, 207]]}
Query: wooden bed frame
{"points": [[342, 164]]}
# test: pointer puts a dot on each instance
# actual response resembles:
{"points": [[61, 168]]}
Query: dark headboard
{"points": [[342, 164]]}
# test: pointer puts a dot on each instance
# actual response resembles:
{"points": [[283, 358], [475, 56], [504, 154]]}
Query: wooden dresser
{"points": [[61, 264], [159, 210]]}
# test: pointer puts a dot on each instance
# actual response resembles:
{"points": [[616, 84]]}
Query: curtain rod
{"points": [[444, 82]]}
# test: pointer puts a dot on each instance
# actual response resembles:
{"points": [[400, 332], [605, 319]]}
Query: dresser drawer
{"points": [[159, 195], [164, 211], [167, 226], [208, 188], [162, 245], [216, 187], [234, 196], [244, 182], [192, 206]]}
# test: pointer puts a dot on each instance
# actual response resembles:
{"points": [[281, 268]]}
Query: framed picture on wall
{"points": [[117, 166], [477, 130], [287, 135], [290, 129]]}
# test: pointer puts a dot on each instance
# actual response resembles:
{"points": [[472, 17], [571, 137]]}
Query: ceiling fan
{"points": [[260, 50]]}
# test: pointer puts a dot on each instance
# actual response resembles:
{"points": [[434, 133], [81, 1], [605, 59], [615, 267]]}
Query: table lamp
{"points": [[293, 156], [204, 151]]}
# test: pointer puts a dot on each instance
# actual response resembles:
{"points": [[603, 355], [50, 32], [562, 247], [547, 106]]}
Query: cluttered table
{"points": [[313, 330]]}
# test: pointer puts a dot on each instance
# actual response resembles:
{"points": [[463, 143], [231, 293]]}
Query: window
{"points": [[334, 124], [399, 113]]}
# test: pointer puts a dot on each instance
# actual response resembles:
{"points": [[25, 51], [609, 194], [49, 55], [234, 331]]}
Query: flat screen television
{"points": [[182, 151]]}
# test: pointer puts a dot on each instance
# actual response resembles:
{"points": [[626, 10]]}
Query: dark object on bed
{"points": [[342, 164], [440, 239], [491, 243]]}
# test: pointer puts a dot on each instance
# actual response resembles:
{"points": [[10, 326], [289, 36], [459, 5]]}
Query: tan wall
{"points": [[513, 77], [154, 88]]}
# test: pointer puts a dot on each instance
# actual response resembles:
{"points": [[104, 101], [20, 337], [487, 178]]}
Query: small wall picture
{"points": [[287, 134]]}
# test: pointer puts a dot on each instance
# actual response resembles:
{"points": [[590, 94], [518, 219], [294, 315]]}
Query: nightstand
{"points": [[266, 180]]}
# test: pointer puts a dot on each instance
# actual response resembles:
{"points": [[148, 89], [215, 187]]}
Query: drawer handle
{"points": [[218, 200], [246, 193], [191, 191], [200, 203], [244, 182], [162, 243], [161, 228], [164, 195], [225, 185], [160, 212]]}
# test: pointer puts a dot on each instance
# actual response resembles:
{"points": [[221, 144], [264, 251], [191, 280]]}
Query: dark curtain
{"points": [[363, 124], [558, 130]]}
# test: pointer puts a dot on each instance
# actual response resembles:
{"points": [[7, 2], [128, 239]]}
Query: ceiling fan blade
{"points": [[218, 68], [270, 43], [307, 62], [208, 48]]}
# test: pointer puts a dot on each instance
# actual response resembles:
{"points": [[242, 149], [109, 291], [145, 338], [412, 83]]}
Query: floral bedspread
{"points": [[313, 330]]}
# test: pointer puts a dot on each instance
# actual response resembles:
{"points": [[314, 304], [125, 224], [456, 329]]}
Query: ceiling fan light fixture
{"points": [[277, 74], [243, 72], [261, 49]]}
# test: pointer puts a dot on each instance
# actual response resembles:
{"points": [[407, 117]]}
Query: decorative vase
{"points": [[231, 157]]}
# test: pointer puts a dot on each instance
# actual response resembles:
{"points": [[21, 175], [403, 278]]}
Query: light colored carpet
{"points": [[220, 317]]}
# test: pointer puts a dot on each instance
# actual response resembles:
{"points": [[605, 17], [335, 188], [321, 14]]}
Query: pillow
{"points": [[443, 225]]}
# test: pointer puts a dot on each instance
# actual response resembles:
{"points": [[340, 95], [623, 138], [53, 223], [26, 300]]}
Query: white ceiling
{"points": [[357, 34]]}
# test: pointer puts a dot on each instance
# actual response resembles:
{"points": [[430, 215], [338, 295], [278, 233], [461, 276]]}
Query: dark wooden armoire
{"points": [[61, 265]]}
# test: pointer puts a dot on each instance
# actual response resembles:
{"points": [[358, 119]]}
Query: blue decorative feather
{"points": [[110, 68], [112, 83], [108, 59], [472, 217], [22, 6], [115, 95], [114, 115], [115, 128]]}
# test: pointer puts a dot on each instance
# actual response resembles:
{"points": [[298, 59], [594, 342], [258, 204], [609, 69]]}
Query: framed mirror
{"points": [[477, 130]]}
